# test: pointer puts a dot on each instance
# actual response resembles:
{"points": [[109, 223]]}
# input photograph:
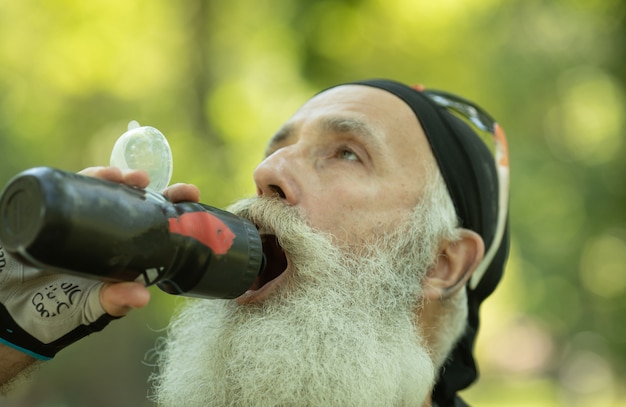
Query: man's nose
{"points": [[277, 175]]}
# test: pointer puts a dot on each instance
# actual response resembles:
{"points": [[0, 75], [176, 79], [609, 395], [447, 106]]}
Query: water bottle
{"points": [[66, 222]]}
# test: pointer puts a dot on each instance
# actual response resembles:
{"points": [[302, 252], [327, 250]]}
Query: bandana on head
{"points": [[471, 152]]}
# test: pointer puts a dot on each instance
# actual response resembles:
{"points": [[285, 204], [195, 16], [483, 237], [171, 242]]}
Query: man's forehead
{"points": [[370, 113], [353, 93]]}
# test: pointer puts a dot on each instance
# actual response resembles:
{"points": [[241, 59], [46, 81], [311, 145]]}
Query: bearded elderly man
{"points": [[384, 214]]}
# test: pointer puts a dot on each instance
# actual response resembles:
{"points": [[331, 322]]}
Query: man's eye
{"points": [[347, 154]]}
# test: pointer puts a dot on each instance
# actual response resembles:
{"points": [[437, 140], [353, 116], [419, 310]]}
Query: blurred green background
{"points": [[219, 77]]}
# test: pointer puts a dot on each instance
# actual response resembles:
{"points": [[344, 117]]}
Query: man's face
{"points": [[352, 159], [340, 193]]}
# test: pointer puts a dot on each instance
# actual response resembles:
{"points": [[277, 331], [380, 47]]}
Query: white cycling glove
{"points": [[43, 312]]}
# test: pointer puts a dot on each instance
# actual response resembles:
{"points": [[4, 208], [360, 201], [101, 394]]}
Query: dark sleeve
{"points": [[458, 402]]}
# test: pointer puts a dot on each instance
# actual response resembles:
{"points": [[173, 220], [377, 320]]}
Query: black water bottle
{"points": [[71, 223]]}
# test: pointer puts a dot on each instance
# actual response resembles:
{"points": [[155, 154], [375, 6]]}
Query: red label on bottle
{"points": [[205, 228]]}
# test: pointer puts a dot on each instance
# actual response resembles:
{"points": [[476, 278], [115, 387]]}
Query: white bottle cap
{"points": [[144, 148]]}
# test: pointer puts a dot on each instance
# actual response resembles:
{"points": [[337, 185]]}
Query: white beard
{"points": [[341, 331]]}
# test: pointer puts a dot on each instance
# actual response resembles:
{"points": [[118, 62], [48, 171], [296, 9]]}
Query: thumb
{"points": [[119, 299]]}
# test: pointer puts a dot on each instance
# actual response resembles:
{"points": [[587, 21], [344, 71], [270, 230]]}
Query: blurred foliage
{"points": [[217, 78]]}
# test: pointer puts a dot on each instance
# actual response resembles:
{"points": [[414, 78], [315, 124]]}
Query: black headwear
{"points": [[470, 150]]}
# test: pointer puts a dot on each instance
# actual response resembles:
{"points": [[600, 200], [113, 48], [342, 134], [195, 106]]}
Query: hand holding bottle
{"points": [[43, 312]]}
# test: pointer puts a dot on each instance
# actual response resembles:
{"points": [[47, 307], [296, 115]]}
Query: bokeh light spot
{"points": [[602, 266], [588, 123]]}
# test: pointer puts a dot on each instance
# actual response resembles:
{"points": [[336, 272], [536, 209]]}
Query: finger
{"points": [[113, 174], [135, 178], [120, 298], [182, 192]]}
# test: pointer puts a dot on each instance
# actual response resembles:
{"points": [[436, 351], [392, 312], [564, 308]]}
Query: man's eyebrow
{"points": [[354, 126], [336, 124], [279, 137]]}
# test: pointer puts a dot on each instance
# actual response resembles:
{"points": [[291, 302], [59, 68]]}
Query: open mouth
{"points": [[276, 264]]}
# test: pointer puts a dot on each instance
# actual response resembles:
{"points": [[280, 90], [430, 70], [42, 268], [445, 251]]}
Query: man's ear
{"points": [[454, 266]]}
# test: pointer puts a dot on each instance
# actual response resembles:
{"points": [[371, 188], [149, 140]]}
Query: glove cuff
{"points": [[11, 333]]}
